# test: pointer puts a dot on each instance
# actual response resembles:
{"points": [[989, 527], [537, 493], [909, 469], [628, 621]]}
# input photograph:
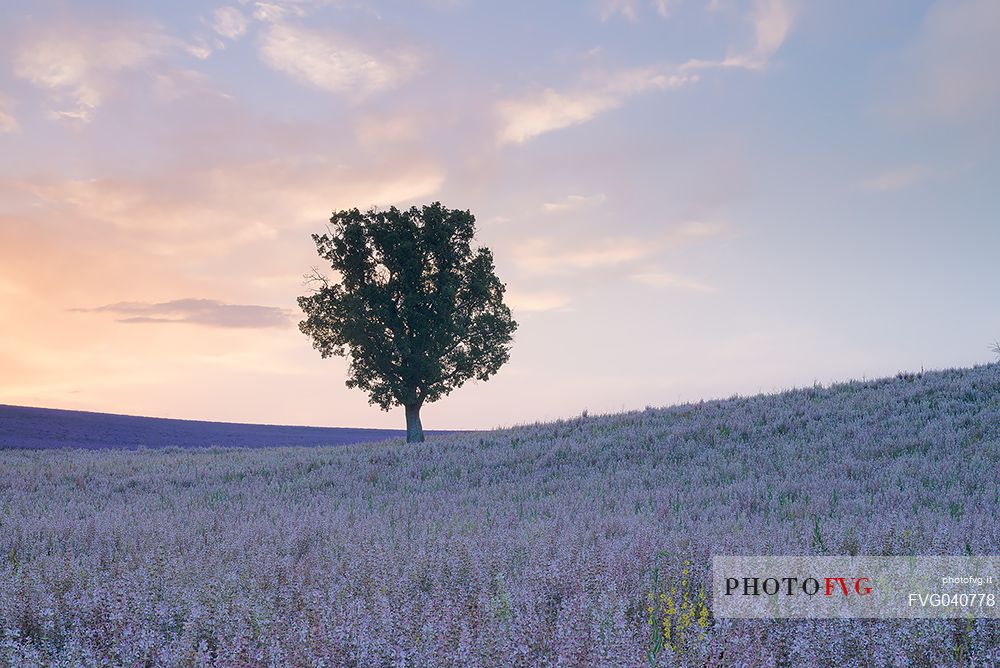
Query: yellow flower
{"points": [[703, 617]]}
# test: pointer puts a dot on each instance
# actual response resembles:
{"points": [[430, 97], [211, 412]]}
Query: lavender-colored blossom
{"points": [[561, 544]]}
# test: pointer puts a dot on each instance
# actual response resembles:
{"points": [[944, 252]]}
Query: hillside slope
{"points": [[26, 427], [525, 547]]}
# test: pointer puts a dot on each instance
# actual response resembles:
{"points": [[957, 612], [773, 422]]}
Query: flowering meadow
{"points": [[585, 542], [36, 428]]}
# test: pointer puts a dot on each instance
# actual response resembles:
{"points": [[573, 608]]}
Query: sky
{"points": [[686, 199]]}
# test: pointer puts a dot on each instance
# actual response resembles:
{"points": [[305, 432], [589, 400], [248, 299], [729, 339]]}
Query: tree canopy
{"points": [[414, 306]]}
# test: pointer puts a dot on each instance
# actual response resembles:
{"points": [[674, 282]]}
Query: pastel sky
{"points": [[687, 199]]}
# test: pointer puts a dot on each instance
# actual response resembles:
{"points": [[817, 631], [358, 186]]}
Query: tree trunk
{"points": [[414, 430]]}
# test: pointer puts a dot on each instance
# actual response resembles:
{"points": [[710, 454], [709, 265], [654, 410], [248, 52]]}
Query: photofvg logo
{"points": [[791, 586], [754, 587]]}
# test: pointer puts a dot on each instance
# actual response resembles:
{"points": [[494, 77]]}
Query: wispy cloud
{"points": [[629, 9], [201, 49], [176, 83], [526, 118], [77, 65], [537, 301], [694, 229], [379, 131], [268, 11], [548, 256], [229, 22], [335, 62], [550, 109], [206, 312], [308, 188], [278, 10], [574, 203], [662, 279], [897, 178], [626, 8], [662, 6], [772, 21], [216, 210], [8, 124], [949, 70], [544, 256]]}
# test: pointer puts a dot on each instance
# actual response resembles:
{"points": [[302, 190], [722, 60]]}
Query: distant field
{"points": [[533, 546], [23, 427]]}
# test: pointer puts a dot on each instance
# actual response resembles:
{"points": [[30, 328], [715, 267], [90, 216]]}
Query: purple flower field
{"points": [[26, 427], [585, 542]]}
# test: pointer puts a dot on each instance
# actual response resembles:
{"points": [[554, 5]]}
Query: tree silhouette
{"points": [[417, 310]]}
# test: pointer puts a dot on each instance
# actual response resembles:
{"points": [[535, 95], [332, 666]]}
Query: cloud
{"points": [[8, 124], [214, 211], [547, 256], [174, 84], [268, 11], [537, 301], [377, 131], [78, 65], [229, 22], [694, 229], [662, 7], [948, 72], [550, 110], [897, 178], [629, 9], [543, 256], [274, 11], [668, 280], [206, 312], [334, 62], [772, 21], [200, 49], [574, 203], [307, 188]]}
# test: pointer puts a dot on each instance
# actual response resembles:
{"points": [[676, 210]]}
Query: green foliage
{"points": [[818, 535], [416, 308], [676, 616], [501, 601]]}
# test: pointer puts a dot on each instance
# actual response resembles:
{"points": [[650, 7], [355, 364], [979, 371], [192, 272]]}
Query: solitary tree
{"points": [[417, 310]]}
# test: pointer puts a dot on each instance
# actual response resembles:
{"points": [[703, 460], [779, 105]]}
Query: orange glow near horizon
{"points": [[683, 205]]}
